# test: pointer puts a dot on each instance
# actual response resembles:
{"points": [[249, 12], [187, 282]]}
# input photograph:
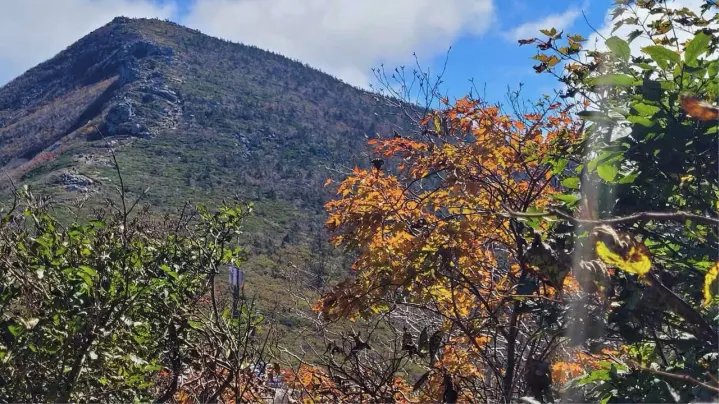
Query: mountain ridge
{"points": [[116, 52], [191, 117]]}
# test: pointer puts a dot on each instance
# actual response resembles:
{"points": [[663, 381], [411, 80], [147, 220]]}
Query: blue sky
{"points": [[495, 60], [343, 37]]}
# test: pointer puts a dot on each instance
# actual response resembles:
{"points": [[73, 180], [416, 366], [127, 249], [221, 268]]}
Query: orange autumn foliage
{"points": [[578, 363], [311, 385], [443, 207], [432, 230]]}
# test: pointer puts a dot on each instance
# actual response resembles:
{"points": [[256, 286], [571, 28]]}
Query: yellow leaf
{"points": [[328, 182], [637, 260], [709, 278]]}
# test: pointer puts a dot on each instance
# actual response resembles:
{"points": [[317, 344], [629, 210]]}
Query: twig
{"points": [[592, 28], [658, 216], [685, 378], [122, 184]]}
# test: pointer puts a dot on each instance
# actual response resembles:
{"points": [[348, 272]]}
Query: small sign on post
{"points": [[237, 283], [237, 278]]}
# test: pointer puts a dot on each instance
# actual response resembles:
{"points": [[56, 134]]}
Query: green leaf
{"points": [[619, 80], [595, 116], [89, 271], [607, 171], [667, 85], [597, 375], [713, 68], [640, 120], [571, 182], [645, 110], [663, 56], [558, 165], [569, 199], [633, 35], [85, 277], [169, 271], [15, 329], [619, 47], [628, 179], [97, 223], [196, 325], [696, 47]]}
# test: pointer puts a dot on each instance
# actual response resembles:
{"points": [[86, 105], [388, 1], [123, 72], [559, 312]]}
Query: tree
{"points": [[434, 239]]}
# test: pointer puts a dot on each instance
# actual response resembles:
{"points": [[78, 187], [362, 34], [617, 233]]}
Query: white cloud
{"points": [[345, 38], [531, 29], [35, 30]]}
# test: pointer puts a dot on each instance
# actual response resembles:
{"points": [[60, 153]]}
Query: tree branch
{"points": [[657, 216], [685, 378]]}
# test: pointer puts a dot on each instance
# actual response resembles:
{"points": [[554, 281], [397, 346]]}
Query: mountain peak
{"points": [[146, 78]]}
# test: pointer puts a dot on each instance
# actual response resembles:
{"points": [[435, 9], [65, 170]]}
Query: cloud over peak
{"points": [[345, 38], [35, 30]]}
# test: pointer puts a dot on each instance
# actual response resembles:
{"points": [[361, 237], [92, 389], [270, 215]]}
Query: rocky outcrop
{"points": [[121, 119], [146, 96], [74, 182]]}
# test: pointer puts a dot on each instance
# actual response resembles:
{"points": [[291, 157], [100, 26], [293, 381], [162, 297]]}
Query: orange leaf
{"points": [[699, 109]]}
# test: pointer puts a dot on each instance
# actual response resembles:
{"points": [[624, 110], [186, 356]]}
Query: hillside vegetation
{"points": [[555, 251], [191, 118]]}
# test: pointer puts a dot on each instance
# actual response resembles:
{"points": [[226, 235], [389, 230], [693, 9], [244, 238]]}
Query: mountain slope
{"points": [[190, 117]]}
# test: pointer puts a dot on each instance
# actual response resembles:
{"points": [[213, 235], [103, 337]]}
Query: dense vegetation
{"points": [[557, 251]]}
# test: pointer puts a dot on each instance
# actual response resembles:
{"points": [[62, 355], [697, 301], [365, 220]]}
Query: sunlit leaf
{"points": [[697, 46], [662, 55], [607, 171], [569, 199], [619, 47], [15, 329], [619, 80], [640, 120], [637, 259], [709, 278], [571, 182], [645, 110]]}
